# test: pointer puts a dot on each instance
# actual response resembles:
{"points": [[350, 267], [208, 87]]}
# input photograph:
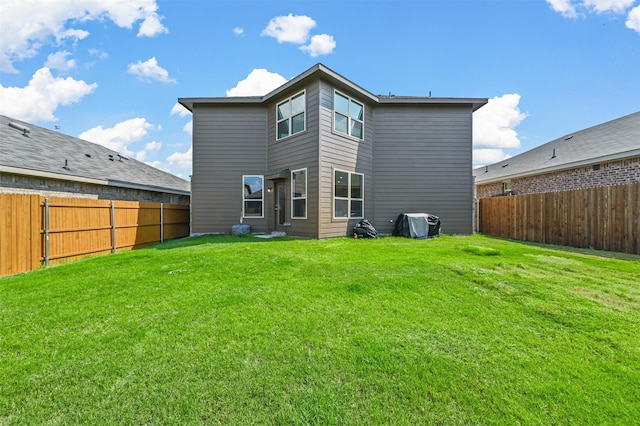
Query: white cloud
{"points": [[290, 28], [565, 7], [180, 110], [100, 54], [188, 128], [150, 147], [616, 6], [59, 61], [494, 124], [119, 136], [322, 44], [238, 31], [633, 20], [259, 82], [578, 8], [150, 70], [488, 156], [44, 94], [32, 24], [182, 159], [151, 27]]}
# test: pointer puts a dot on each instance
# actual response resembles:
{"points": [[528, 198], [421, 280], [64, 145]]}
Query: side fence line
{"points": [[602, 218], [36, 230]]}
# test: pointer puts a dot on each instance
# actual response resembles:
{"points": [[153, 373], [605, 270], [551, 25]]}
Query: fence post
{"points": [[161, 222], [113, 226], [46, 232]]}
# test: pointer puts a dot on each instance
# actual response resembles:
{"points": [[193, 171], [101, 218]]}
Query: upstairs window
{"points": [[299, 194], [348, 195], [348, 116], [290, 116], [252, 196]]}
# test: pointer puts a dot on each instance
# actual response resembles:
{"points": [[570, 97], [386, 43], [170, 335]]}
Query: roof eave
{"points": [[152, 188], [320, 70], [189, 102], [51, 175], [82, 179], [561, 167], [476, 103]]}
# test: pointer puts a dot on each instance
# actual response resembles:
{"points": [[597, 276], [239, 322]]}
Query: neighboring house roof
{"points": [[339, 81], [35, 151], [613, 140]]}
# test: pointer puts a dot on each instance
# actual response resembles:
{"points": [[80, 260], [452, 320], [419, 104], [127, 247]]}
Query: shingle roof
{"points": [[609, 141], [45, 152]]}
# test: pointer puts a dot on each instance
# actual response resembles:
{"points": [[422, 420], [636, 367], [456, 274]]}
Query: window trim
{"points": [[506, 187], [290, 117], [348, 116], [305, 198], [244, 200], [349, 198]]}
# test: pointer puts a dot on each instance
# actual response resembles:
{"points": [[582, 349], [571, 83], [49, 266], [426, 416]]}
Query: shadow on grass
{"points": [[587, 251]]}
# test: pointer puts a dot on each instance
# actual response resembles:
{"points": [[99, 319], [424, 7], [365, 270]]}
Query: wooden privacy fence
{"points": [[35, 230], [603, 218]]}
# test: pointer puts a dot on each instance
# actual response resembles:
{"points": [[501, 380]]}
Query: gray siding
{"points": [[415, 157], [423, 164], [229, 141], [297, 152], [337, 151]]}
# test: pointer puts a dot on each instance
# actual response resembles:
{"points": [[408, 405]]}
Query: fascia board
{"points": [[188, 103], [476, 102], [51, 175], [131, 185]]}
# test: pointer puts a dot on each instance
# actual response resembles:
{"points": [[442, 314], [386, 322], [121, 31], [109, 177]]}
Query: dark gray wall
{"points": [[423, 165], [230, 141], [414, 157]]}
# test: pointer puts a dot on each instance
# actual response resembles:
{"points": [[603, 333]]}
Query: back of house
{"points": [[320, 153]]}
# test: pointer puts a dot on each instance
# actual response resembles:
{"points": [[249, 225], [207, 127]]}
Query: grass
{"points": [[240, 330]]}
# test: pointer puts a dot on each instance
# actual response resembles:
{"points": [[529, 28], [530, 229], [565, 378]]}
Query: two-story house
{"points": [[319, 153]]}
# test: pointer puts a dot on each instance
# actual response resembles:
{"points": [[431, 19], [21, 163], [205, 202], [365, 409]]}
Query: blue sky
{"points": [[111, 72]]}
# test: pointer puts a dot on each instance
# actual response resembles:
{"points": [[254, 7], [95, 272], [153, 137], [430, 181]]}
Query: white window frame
{"points": [[506, 187], [244, 199], [294, 198], [349, 198], [348, 116], [289, 118]]}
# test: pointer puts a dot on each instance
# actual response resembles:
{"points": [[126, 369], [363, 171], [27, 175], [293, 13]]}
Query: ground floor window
{"points": [[348, 195], [253, 196], [299, 194]]}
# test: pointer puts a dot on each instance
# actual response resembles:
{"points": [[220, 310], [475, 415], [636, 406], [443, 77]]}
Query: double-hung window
{"points": [[253, 196], [348, 116], [348, 195], [290, 116], [299, 194]]}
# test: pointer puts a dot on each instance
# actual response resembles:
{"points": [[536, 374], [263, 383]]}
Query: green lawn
{"points": [[242, 330]]}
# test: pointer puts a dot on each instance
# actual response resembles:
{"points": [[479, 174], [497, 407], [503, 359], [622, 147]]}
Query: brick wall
{"points": [[604, 174], [20, 184]]}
